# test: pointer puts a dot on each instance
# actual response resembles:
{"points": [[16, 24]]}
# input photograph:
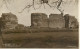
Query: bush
{"points": [[17, 31]]}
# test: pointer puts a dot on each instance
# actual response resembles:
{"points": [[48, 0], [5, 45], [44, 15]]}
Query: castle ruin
{"points": [[40, 20]]}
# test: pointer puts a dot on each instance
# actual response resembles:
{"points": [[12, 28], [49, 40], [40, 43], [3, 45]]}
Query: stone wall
{"points": [[39, 20], [71, 22], [56, 21], [66, 17]]}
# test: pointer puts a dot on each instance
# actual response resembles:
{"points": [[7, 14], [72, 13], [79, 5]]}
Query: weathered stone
{"points": [[66, 17], [39, 20], [56, 21], [71, 22]]}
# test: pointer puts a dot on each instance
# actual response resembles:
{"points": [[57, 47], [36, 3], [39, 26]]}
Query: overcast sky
{"points": [[16, 6]]}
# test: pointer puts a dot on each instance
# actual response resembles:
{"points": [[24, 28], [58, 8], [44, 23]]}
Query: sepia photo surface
{"points": [[39, 24]]}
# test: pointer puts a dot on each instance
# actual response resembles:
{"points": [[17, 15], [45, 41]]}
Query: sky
{"points": [[15, 6]]}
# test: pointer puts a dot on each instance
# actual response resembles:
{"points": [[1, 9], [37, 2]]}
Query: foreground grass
{"points": [[42, 39]]}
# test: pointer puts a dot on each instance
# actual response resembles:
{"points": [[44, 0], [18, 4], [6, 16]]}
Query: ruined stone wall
{"points": [[39, 20], [56, 21], [70, 21], [73, 23], [66, 17]]}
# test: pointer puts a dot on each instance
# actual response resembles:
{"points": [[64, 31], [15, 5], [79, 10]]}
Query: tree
{"points": [[5, 2], [42, 2], [54, 4]]}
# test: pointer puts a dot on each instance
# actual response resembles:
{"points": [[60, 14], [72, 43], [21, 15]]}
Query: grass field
{"points": [[42, 40]]}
